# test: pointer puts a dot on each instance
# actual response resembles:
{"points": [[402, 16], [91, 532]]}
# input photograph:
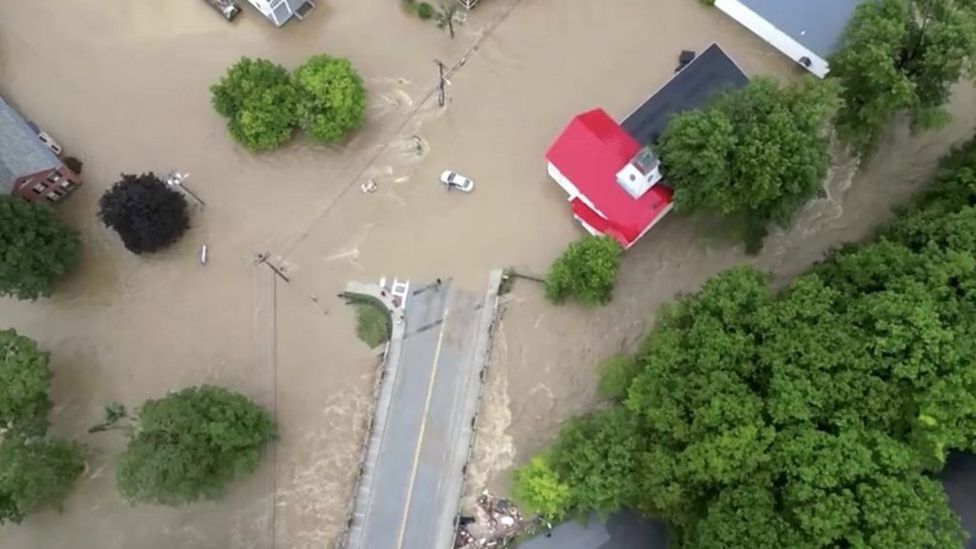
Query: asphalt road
{"points": [[417, 474]]}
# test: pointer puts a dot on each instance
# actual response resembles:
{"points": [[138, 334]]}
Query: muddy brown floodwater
{"points": [[123, 85]]}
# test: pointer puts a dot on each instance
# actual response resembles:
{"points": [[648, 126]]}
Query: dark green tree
{"points": [[190, 444], [586, 271], [901, 56], [259, 101], [36, 249], [147, 214], [25, 381], [35, 472], [331, 97], [757, 153]]}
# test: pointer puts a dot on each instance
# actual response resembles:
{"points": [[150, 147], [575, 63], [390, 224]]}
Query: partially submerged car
{"points": [[227, 8], [457, 181]]}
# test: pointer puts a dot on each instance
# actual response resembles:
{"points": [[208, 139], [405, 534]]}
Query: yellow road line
{"points": [[423, 428]]}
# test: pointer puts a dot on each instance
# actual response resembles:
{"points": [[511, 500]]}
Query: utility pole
{"points": [[441, 83]]}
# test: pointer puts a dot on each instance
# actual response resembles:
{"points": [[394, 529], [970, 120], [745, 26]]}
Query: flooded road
{"points": [[123, 85]]}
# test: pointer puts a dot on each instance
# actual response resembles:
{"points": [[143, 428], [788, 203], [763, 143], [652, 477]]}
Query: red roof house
{"points": [[611, 179]]}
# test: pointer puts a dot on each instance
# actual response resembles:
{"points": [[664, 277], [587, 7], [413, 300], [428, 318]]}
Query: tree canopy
{"points": [[34, 469], [331, 97], [221, 437], [586, 271], [36, 249], [147, 214], [758, 152], [260, 103], [813, 417], [25, 381], [35, 472], [901, 56]]}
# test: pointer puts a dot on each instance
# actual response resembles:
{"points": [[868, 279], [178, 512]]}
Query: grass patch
{"points": [[372, 324]]}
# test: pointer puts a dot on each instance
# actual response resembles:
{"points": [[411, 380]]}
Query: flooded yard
{"points": [[123, 85]]}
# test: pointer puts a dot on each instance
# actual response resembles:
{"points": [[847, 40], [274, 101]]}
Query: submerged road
{"points": [[411, 485]]}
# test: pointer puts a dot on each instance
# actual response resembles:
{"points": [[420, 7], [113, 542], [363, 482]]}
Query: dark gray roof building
{"points": [[624, 530], [808, 31], [21, 152]]}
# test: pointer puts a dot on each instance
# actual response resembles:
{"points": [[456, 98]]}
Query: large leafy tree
{"points": [[901, 55], [25, 380], [331, 97], [34, 469], [147, 214], [260, 103], [586, 271], [36, 249], [35, 472], [809, 418], [190, 444], [758, 152]]}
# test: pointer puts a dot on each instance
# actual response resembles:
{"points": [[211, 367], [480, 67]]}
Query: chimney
{"points": [[641, 173]]}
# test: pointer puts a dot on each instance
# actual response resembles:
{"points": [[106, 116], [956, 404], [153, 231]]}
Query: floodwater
{"points": [[123, 86]]}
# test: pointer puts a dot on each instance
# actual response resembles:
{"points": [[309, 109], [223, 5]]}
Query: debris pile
{"points": [[495, 524]]}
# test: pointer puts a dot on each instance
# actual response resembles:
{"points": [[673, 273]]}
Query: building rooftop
{"points": [[589, 153], [692, 87], [624, 530], [818, 25], [21, 152]]}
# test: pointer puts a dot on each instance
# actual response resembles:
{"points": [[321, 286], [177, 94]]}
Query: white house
{"points": [[280, 11], [807, 31]]}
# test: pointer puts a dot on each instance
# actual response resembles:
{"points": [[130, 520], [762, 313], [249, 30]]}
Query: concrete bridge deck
{"points": [[422, 428]]}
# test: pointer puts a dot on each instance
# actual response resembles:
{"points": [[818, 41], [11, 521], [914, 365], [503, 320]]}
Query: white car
{"points": [[457, 181]]}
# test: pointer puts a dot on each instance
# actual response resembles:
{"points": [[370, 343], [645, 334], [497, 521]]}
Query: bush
{"points": [[586, 271], [331, 98], [425, 11], [259, 101], [35, 472], [221, 436], [372, 324], [616, 373], [25, 381], [37, 249], [537, 490], [147, 213]]}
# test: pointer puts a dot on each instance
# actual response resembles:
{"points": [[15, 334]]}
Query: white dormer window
{"points": [[641, 173]]}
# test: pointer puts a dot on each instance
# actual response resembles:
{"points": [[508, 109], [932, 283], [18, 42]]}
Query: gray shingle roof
{"points": [[817, 24], [21, 152]]}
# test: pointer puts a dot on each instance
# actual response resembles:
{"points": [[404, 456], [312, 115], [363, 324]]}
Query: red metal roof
{"points": [[590, 152]]}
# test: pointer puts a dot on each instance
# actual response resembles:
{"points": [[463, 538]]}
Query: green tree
{"points": [[36, 249], [759, 152], [448, 16], [538, 491], [25, 381], [586, 271], [331, 97], [259, 101], [190, 444], [35, 472], [901, 55]]}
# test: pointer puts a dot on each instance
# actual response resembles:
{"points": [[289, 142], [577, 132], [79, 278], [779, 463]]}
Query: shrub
{"points": [[425, 11], [331, 98], [146, 213], [616, 373], [36, 249], [537, 490], [586, 271]]}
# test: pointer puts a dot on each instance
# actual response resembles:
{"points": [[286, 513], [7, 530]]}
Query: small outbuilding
{"points": [[807, 31], [280, 12]]}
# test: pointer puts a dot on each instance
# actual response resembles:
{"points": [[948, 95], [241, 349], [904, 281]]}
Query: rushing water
{"points": [[123, 85]]}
